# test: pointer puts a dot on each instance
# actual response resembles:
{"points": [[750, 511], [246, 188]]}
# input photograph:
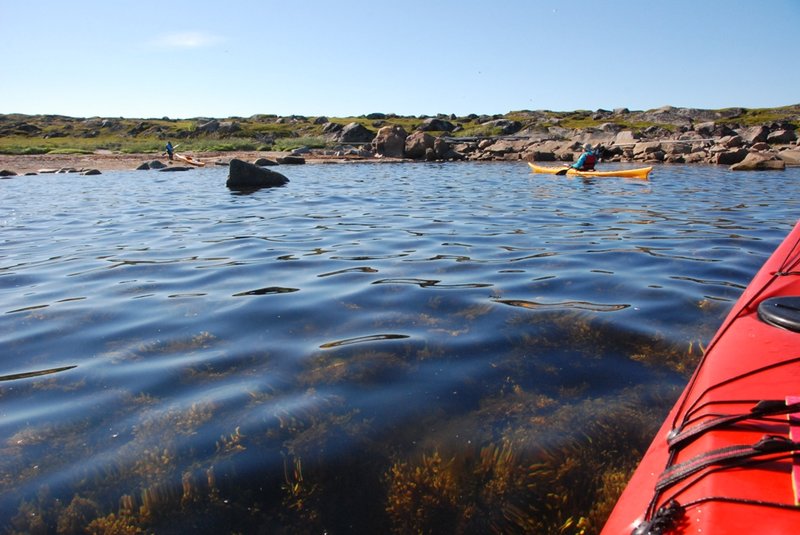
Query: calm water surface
{"points": [[459, 348]]}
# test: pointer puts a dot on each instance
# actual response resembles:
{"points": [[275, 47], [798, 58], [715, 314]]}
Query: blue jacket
{"points": [[583, 164]]}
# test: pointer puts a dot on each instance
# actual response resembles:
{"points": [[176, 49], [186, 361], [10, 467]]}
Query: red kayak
{"points": [[727, 458]]}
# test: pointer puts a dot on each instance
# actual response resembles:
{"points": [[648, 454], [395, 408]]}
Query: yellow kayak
{"points": [[640, 172]]}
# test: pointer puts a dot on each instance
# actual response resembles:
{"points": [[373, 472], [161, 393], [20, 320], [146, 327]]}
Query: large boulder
{"points": [[433, 124], [791, 157], [759, 161], [291, 160], [355, 133], [506, 126], [390, 141], [417, 145], [332, 129], [782, 136], [754, 134], [626, 137], [244, 176], [730, 156]]}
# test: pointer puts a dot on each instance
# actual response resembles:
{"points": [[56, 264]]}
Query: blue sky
{"points": [[351, 57]]}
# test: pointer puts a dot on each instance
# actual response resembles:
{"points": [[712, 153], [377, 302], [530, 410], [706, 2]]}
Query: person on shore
{"points": [[169, 150], [587, 160]]}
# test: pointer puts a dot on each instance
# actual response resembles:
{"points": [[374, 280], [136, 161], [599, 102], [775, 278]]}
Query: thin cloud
{"points": [[187, 40]]}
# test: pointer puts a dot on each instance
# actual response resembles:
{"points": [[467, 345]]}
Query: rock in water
{"points": [[243, 175]]}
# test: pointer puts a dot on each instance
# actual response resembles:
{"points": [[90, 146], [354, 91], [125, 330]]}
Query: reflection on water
{"points": [[462, 348]]}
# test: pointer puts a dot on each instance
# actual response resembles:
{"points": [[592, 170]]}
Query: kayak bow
{"points": [[726, 458]]}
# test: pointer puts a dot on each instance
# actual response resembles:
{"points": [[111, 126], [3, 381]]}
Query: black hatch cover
{"points": [[781, 312]]}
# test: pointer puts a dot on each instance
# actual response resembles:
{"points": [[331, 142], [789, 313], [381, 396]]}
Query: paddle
{"points": [[563, 172]]}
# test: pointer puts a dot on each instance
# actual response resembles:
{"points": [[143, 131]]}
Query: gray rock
{"points": [[248, 176], [331, 129], [442, 149], [265, 162], [626, 137], [506, 126], [355, 133], [436, 125], [783, 135], [791, 157], [541, 156], [210, 127], [417, 145], [90, 172], [754, 134], [730, 157], [7, 173]]}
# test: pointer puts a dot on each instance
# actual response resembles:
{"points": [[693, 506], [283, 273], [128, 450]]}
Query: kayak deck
{"points": [[189, 160], [724, 460], [640, 172]]}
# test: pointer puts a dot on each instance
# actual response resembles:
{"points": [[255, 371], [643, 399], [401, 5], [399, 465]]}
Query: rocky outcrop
{"points": [[248, 176]]}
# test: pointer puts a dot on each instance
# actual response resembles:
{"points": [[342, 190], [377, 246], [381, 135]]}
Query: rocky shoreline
{"points": [[672, 135], [769, 146]]}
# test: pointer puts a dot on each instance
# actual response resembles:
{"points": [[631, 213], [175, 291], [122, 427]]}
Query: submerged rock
{"points": [[243, 175], [291, 160], [154, 164], [176, 168]]}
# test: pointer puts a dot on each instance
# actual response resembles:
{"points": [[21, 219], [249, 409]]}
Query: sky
{"points": [[237, 58]]}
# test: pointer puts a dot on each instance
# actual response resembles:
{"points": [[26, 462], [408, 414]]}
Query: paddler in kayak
{"points": [[587, 160]]}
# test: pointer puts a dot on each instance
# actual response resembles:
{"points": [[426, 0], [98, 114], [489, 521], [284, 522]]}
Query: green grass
{"points": [[70, 151], [287, 144], [759, 116]]}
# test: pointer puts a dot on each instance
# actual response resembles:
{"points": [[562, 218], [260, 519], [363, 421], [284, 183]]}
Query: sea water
{"points": [[373, 347]]}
